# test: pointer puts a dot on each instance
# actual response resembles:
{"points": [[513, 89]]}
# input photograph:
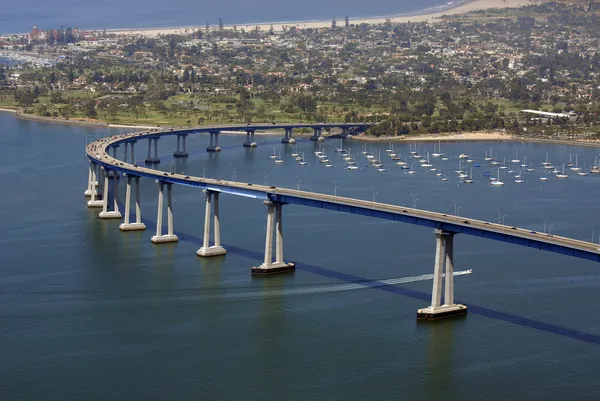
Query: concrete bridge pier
{"points": [[250, 140], [289, 132], [444, 254], [216, 249], [159, 238], [132, 144], [181, 152], [92, 182], [150, 159], [105, 213], [317, 136], [214, 142], [138, 225], [279, 266], [96, 192], [112, 173]]}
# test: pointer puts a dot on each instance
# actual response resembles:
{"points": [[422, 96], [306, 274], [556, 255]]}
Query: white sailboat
{"points": [[497, 182], [439, 152], [563, 175], [516, 159], [427, 163], [576, 168], [274, 155]]}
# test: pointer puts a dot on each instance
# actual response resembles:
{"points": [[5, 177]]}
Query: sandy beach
{"points": [[463, 136], [279, 26]]}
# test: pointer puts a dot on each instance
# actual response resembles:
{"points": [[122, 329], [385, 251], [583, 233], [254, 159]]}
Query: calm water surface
{"points": [[20, 16], [90, 313]]}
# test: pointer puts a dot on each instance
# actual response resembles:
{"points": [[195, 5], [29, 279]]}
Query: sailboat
{"points": [[427, 164], [391, 149], [497, 182], [490, 157], [595, 168], [563, 175], [274, 155], [504, 166], [364, 152], [295, 154], [576, 168], [302, 162], [412, 169], [570, 163], [439, 152], [469, 179], [341, 148], [519, 177], [524, 164], [516, 159], [278, 159]]}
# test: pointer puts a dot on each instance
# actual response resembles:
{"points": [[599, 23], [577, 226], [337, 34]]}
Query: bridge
{"points": [[105, 169]]}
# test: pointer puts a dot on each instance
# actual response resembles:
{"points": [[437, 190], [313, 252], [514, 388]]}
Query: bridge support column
{"points": [[105, 213], [125, 149], [96, 194], [216, 249], [274, 215], [152, 159], [214, 142], [132, 151], [250, 140], [181, 152], [317, 136], [288, 136], [159, 238], [444, 255], [91, 181], [138, 225]]}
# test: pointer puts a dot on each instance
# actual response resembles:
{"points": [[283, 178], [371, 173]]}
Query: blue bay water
{"points": [[88, 312], [18, 17]]}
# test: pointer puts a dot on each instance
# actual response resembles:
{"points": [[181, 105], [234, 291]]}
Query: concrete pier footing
{"points": [[213, 148], [159, 238], [127, 225], [95, 203], [291, 141], [250, 144], [444, 311], [208, 251], [181, 152], [444, 257], [273, 268], [211, 251], [115, 214], [268, 267], [164, 239], [152, 159], [132, 227]]}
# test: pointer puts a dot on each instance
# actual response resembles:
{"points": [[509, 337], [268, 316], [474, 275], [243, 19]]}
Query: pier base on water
{"points": [[442, 312], [444, 257], [132, 227], [163, 239], [273, 268], [110, 215], [211, 251]]}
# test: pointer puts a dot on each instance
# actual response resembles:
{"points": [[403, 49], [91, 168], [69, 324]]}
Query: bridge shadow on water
{"points": [[380, 286], [398, 290]]}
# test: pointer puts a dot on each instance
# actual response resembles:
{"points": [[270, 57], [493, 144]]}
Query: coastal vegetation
{"points": [[462, 73]]}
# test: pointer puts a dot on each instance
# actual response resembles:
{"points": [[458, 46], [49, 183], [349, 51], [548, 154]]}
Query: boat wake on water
{"points": [[324, 289]]}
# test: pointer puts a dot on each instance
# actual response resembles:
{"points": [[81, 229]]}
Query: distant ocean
{"points": [[19, 16]]}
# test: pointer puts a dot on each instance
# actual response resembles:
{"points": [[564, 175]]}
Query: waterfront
{"points": [[93, 313]]}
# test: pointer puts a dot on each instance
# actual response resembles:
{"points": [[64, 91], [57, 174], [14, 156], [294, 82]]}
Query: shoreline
{"points": [[432, 14], [447, 137]]}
